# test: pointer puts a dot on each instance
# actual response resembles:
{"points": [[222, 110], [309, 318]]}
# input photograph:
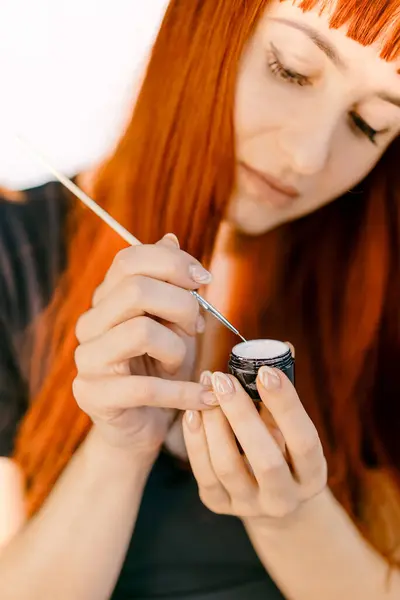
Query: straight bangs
{"points": [[368, 22]]}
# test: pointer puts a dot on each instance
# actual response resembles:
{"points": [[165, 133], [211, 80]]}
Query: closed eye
{"points": [[363, 127], [357, 123], [281, 72]]}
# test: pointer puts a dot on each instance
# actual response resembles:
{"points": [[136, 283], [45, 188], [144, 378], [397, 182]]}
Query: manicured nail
{"points": [[269, 378], [193, 420], [205, 379], [173, 238], [222, 384], [199, 274], [200, 324]]}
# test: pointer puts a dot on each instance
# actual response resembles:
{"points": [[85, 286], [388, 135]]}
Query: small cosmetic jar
{"points": [[248, 357]]}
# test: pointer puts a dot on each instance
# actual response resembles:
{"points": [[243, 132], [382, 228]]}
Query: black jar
{"points": [[248, 357]]}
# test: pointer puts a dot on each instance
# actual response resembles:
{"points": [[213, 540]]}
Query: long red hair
{"points": [[333, 285]]}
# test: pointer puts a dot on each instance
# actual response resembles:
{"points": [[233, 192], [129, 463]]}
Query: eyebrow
{"points": [[321, 42], [329, 50]]}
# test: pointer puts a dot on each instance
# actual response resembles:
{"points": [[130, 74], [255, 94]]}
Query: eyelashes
{"points": [[363, 126], [278, 70]]}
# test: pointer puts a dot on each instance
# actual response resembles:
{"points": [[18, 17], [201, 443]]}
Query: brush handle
{"points": [[117, 227]]}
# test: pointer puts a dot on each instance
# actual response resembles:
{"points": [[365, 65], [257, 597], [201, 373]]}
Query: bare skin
{"points": [[307, 130]]}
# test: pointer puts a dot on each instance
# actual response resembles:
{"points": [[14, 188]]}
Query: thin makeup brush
{"points": [[117, 227]]}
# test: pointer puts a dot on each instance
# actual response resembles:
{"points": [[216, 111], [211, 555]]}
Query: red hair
{"points": [[335, 290]]}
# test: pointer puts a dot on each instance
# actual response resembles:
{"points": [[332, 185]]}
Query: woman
{"points": [[265, 139]]}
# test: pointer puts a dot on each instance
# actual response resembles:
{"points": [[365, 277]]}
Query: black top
{"points": [[180, 550]]}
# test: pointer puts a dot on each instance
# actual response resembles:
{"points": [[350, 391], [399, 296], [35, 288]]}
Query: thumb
{"points": [[170, 240]]}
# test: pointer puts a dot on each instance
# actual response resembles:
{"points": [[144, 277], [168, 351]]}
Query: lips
{"points": [[272, 182]]}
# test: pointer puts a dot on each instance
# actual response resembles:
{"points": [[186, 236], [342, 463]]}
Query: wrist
{"points": [[118, 460], [315, 510]]}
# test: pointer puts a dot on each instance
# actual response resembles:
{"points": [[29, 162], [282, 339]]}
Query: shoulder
{"points": [[30, 215], [31, 260], [31, 250]]}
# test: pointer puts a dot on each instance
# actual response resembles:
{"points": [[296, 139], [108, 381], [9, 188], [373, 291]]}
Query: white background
{"points": [[67, 79]]}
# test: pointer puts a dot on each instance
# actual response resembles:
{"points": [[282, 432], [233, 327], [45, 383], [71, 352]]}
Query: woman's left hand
{"points": [[283, 465]]}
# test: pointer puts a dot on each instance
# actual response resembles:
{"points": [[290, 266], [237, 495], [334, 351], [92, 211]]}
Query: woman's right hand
{"points": [[136, 346]]}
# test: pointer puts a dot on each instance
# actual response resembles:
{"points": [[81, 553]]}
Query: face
{"points": [[314, 113]]}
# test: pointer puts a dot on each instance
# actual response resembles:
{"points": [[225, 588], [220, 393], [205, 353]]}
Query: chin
{"points": [[247, 217], [249, 229]]}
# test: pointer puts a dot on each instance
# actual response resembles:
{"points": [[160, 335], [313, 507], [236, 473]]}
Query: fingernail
{"points": [[205, 379], [173, 238], [200, 324], [222, 384], [269, 378], [199, 274], [193, 420]]}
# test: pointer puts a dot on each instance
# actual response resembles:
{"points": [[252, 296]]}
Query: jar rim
{"points": [[260, 349]]}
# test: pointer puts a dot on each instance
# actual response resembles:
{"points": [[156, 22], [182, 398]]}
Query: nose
{"points": [[307, 149]]}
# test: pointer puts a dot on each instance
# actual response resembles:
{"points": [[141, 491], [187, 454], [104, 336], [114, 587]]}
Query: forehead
{"points": [[368, 22]]}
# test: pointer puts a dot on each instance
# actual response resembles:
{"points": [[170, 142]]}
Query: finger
{"points": [[211, 490], [106, 396], [139, 295], [226, 459], [274, 430], [131, 339], [301, 437], [174, 442], [162, 262], [169, 239], [264, 455]]}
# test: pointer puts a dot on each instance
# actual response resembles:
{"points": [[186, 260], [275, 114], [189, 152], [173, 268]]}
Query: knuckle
{"points": [[178, 350], [137, 290], [209, 488], [210, 496], [318, 477], [143, 330], [80, 392], [205, 498], [79, 357], [80, 328], [308, 446], [272, 469], [177, 265], [108, 414], [178, 262], [97, 295], [227, 470], [123, 260]]}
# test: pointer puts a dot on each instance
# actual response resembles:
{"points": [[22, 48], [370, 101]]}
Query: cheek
{"points": [[259, 109], [251, 112], [352, 161], [258, 101]]}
